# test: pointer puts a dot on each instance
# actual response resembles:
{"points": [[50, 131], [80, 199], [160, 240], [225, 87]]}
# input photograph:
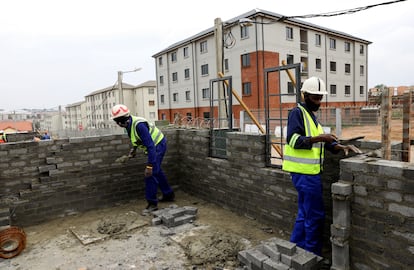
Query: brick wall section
{"points": [[43, 180], [382, 213]]}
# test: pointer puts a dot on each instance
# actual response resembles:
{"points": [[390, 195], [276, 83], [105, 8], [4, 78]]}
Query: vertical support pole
{"points": [[120, 90], [341, 225], [218, 34], [338, 128], [386, 107], [406, 145]]}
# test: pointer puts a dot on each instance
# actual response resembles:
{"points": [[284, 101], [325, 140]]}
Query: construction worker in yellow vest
{"points": [[148, 138], [3, 137], [303, 158]]}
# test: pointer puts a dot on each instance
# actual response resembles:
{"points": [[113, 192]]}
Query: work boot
{"points": [[149, 209], [167, 197]]}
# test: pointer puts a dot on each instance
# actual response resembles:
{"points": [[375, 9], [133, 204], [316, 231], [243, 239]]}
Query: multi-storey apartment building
{"points": [[76, 115], [141, 100], [252, 42]]}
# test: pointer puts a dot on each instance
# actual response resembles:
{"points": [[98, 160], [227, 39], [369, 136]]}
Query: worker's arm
{"points": [[144, 134], [295, 126]]}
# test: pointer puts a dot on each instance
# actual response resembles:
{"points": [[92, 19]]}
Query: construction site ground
{"points": [[77, 242], [121, 238]]}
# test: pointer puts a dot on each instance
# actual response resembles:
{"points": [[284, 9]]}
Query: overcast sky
{"points": [[54, 52]]}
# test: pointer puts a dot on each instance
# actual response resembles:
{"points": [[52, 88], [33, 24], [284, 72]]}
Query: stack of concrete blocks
{"points": [[278, 254], [341, 225], [174, 216]]}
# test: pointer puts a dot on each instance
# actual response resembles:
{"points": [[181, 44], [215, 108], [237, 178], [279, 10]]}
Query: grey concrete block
{"points": [[189, 210], [271, 251], [340, 231], [256, 257], [285, 247], [341, 188], [304, 261], [272, 265], [167, 220], [242, 257], [183, 220], [286, 259], [341, 214], [156, 221]]}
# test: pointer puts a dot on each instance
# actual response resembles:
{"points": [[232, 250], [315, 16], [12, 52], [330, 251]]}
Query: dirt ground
{"points": [[373, 132], [129, 241]]}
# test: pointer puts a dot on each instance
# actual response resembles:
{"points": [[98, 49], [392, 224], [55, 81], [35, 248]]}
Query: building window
{"points": [[244, 32], [318, 40], [347, 68], [290, 59], [151, 103], [347, 90], [361, 49], [332, 66], [185, 52], [361, 70], [361, 90], [163, 116], [203, 46], [347, 46], [175, 97], [204, 70], [289, 33], [175, 76], [187, 96], [160, 61], [174, 57], [247, 89], [226, 64], [318, 64], [187, 73], [206, 115], [151, 91], [162, 99], [333, 89], [161, 80], [245, 60], [332, 44], [205, 92], [290, 88]]}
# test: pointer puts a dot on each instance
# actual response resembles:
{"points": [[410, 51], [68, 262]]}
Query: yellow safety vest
{"points": [[156, 134], [304, 161]]}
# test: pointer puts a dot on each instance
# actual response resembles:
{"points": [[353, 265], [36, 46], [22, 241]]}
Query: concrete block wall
{"points": [[382, 207], [43, 180]]}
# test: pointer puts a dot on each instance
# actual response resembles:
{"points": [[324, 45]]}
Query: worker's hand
{"points": [[148, 171], [328, 138], [352, 148], [132, 152], [348, 148]]}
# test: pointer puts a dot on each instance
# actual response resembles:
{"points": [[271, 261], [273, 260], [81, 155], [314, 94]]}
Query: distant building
{"points": [[76, 115], [184, 69], [141, 100]]}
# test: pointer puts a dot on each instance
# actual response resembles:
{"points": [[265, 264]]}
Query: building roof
{"points": [[147, 84], [262, 13], [16, 126], [125, 86]]}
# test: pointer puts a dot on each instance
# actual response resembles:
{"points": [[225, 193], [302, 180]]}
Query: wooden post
{"points": [[406, 146], [386, 108]]}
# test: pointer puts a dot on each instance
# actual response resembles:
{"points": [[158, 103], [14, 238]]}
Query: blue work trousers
{"points": [[308, 230], [158, 178]]}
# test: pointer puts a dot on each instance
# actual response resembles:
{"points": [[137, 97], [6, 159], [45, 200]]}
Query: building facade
{"points": [[141, 100], [76, 115], [251, 43]]}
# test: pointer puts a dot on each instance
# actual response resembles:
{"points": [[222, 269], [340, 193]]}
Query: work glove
{"points": [[148, 171], [132, 152], [122, 159]]}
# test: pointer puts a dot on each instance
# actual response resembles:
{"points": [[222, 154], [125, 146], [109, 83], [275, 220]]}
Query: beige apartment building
{"points": [[95, 111], [252, 42]]}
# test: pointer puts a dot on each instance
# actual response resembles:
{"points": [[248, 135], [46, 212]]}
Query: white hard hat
{"points": [[314, 86], [119, 110]]}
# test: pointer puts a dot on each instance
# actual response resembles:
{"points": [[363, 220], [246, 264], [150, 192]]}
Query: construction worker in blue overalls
{"points": [[303, 158], [148, 138]]}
